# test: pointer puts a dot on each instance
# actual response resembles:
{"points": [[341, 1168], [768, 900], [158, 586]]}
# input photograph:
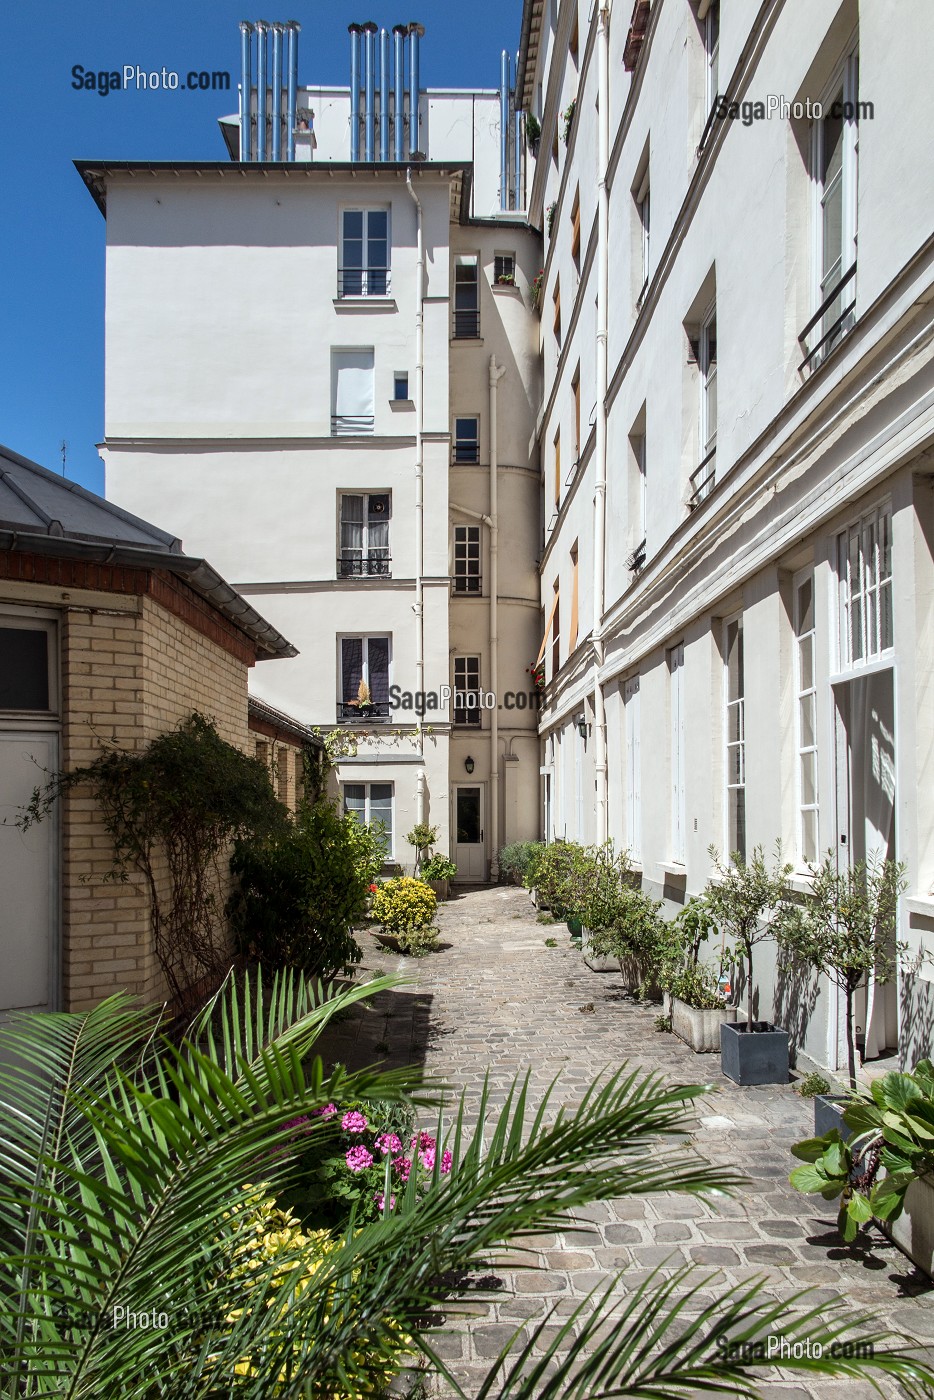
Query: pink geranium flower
{"points": [[447, 1161], [328, 1111], [358, 1158], [380, 1200], [403, 1166], [389, 1143], [354, 1122]]}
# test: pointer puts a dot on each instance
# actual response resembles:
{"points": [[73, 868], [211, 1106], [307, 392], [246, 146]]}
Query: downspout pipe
{"points": [[419, 486], [370, 31], [246, 91], [416, 32], [505, 70], [599, 552], [355, 30], [291, 109], [496, 374], [398, 118], [385, 82], [262, 29], [276, 153]]}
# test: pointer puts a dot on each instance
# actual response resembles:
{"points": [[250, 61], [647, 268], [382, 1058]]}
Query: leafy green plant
{"points": [[438, 868], [810, 1085], [367, 841], [544, 918], [662, 1024], [698, 985], [680, 971], [422, 837], [845, 928], [893, 1127], [560, 871], [171, 812], [567, 117], [514, 860], [533, 129], [404, 904], [551, 942], [125, 1159], [419, 941], [751, 903], [600, 882], [550, 216], [636, 939]]}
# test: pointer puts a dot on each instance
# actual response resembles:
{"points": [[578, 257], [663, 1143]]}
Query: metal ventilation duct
{"points": [[263, 115]]}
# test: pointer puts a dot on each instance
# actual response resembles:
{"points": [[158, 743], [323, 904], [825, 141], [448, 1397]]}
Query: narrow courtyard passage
{"points": [[498, 1000]]}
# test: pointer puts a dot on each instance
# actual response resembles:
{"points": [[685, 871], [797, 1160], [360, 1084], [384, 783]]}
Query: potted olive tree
{"points": [[750, 903], [845, 929], [697, 1006], [422, 837], [636, 939]]}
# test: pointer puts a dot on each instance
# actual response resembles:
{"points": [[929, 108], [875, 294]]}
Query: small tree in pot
{"points": [[422, 837], [846, 929]]}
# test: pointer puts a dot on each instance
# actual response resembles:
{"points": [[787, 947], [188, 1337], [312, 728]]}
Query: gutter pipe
{"points": [[496, 374], [419, 486]]}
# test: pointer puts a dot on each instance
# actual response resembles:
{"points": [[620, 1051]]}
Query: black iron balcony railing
{"points": [[363, 566], [352, 424], [466, 325], [468, 719], [814, 354], [703, 479], [636, 560], [467, 583], [466, 452], [363, 282], [362, 712]]}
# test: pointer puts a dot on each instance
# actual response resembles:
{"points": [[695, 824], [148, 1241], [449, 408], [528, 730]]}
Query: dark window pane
{"points": [[351, 667], [468, 816], [24, 669], [378, 661]]}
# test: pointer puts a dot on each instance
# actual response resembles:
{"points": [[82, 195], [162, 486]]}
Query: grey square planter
{"points": [[597, 962], [913, 1231], [754, 1057], [699, 1029], [828, 1114]]}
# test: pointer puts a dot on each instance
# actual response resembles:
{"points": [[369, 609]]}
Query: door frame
{"points": [[481, 788]]}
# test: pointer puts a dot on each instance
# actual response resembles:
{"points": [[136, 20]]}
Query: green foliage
{"points": [[845, 928], [422, 836], [558, 874], [125, 1162], [544, 918], [567, 117], [533, 129], [810, 1085], [698, 984], [299, 893], [680, 971], [637, 939], [404, 904], [418, 940], [438, 868], [368, 845], [514, 860], [600, 883], [175, 807], [750, 903], [893, 1127], [662, 1024], [551, 942]]}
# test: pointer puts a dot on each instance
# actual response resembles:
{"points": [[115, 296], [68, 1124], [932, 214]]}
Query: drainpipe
{"points": [[276, 153], [384, 85], [505, 66], [291, 108], [419, 487], [369, 66], [398, 120], [262, 29], [355, 31], [496, 374], [246, 90], [599, 551]]}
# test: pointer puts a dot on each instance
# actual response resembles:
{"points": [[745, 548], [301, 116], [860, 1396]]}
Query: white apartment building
{"points": [[322, 368], [737, 571]]}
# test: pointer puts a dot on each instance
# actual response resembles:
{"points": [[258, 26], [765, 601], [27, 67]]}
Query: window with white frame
{"points": [[353, 410], [644, 210], [834, 161], [735, 728], [364, 533], [466, 297], [504, 269], [364, 678], [677, 756], [864, 568], [467, 439], [364, 253], [467, 690], [805, 717], [27, 665], [632, 710], [466, 558], [710, 18], [371, 803]]}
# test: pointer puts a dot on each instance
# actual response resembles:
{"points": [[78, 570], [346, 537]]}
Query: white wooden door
{"points": [[469, 844], [29, 894]]}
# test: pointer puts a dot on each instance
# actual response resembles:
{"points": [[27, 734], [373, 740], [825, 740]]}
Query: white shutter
{"points": [[676, 661], [633, 766], [353, 398]]}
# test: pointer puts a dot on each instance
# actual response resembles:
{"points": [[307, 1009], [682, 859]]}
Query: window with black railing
{"points": [[363, 282], [364, 259], [467, 578], [467, 300], [466, 440], [704, 476], [364, 680], [364, 535]]}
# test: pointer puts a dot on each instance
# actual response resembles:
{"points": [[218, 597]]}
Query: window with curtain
{"points": [[371, 803], [364, 679], [364, 532], [352, 393], [364, 258]]}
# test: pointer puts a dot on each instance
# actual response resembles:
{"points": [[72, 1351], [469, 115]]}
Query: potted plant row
{"points": [[438, 872], [695, 990]]}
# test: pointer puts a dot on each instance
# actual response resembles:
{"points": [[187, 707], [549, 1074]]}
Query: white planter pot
{"points": [[699, 1029], [913, 1231], [595, 961]]}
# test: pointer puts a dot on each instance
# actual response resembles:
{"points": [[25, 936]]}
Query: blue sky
{"points": [[51, 232]]}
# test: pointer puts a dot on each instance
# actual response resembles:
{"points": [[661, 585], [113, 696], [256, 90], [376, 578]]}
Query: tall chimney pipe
{"points": [[370, 31], [355, 31], [517, 158], [294, 29], [246, 90], [416, 32], [276, 153], [262, 29], [398, 33], [505, 70], [385, 82]]}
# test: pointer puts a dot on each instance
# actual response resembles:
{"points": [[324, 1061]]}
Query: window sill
{"points": [[365, 304], [402, 405], [676, 869], [466, 339], [505, 287]]}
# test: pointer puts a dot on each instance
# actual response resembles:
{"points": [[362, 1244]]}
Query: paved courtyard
{"points": [[498, 999]]}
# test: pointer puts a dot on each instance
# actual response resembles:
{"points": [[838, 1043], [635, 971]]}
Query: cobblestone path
{"points": [[498, 999]]}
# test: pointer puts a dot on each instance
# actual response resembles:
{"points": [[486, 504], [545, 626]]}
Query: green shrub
{"points": [[420, 941], [599, 886], [438, 868], [516, 859], [403, 904], [299, 895], [368, 844], [638, 939], [557, 874], [810, 1085], [698, 984]]}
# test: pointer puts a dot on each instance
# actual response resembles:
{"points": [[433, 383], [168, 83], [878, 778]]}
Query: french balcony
{"points": [[363, 282], [364, 566], [703, 479], [830, 322], [362, 711]]}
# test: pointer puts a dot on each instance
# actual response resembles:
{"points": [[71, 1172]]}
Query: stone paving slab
{"points": [[498, 1001]]}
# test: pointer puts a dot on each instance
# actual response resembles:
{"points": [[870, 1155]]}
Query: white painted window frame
{"points": [[738, 703], [366, 210], [389, 853], [871, 588], [845, 76], [803, 692], [632, 702], [677, 754]]}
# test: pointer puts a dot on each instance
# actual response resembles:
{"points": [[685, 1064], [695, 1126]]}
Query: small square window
{"points": [[400, 385], [504, 269], [466, 439]]}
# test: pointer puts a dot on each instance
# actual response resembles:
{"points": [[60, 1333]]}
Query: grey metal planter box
{"points": [[828, 1114], [699, 1029], [913, 1231], [754, 1057], [595, 961], [442, 888]]}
